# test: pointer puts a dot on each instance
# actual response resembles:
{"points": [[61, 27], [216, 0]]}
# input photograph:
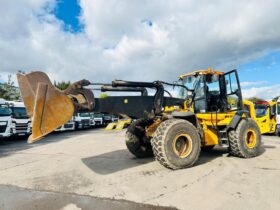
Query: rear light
{"points": [[261, 102]]}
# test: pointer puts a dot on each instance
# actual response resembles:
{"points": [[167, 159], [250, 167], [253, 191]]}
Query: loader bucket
{"points": [[48, 107]]}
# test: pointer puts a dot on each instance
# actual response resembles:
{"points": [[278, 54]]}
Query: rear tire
{"points": [[136, 140], [245, 141], [176, 144]]}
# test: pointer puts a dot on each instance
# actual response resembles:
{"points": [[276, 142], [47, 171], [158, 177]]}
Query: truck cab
{"points": [[98, 119], [82, 120], [5, 119], [69, 126], [21, 123], [107, 119], [266, 116]]}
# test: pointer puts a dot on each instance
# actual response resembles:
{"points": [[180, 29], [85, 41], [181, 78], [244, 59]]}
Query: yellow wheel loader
{"points": [[266, 116], [210, 111]]}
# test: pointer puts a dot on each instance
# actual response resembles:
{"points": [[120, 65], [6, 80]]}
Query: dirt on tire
{"points": [[162, 143], [136, 142], [237, 145]]}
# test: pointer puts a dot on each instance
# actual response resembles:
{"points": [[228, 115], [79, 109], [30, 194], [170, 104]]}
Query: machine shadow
{"points": [[112, 162], [119, 160], [115, 161], [208, 156]]}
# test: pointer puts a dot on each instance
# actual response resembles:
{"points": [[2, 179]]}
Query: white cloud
{"points": [[266, 92], [116, 43], [250, 84]]}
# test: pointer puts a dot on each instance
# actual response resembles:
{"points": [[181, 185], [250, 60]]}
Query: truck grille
{"points": [[21, 127], [68, 126], [85, 122], [97, 122], [3, 128]]}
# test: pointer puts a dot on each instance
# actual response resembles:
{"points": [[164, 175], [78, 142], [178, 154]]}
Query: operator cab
{"points": [[212, 91]]}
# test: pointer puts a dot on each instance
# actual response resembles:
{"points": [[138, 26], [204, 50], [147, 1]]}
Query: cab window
{"points": [[5, 111]]}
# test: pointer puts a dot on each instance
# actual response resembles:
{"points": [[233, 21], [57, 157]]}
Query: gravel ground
{"points": [[92, 169]]}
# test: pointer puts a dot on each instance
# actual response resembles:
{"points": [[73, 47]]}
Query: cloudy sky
{"points": [[143, 39]]}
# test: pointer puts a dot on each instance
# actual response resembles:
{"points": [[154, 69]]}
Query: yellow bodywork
{"points": [[201, 72], [267, 123], [209, 120]]}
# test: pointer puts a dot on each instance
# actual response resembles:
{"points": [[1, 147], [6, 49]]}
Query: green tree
{"points": [[62, 85], [104, 95], [8, 91], [255, 99], [276, 98]]}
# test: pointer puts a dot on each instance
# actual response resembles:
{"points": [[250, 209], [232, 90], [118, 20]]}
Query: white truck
{"points": [[82, 120], [278, 117], [69, 126], [92, 121], [98, 118], [21, 123], [5, 119]]}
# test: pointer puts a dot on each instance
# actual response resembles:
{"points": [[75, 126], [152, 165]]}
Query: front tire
{"points": [[136, 141], [245, 141], [176, 144]]}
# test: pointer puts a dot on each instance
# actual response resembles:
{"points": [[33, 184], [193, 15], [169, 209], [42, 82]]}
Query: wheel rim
{"points": [[250, 139], [182, 145]]}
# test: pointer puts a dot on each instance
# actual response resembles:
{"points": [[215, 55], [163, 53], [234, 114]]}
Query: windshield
{"points": [[107, 117], [84, 115], [98, 115], [20, 113], [278, 108], [261, 110], [5, 111], [190, 82]]}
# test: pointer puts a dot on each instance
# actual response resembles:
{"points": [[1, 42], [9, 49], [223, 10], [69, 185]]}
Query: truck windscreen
{"points": [[20, 113], [261, 110], [98, 115], [5, 111], [84, 115]]}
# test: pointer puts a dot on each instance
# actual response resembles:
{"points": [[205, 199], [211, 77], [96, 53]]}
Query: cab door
{"points": [[263, 119], [273, 118], [233, 91]]}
